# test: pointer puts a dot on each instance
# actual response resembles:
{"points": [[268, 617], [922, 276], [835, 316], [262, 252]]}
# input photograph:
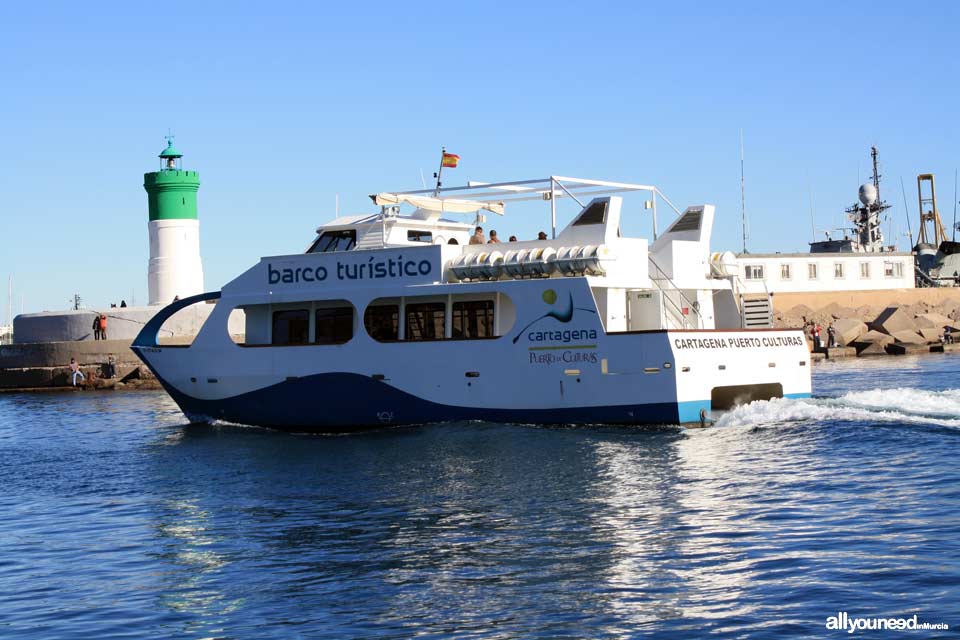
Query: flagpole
{"points": [[436, 192]]}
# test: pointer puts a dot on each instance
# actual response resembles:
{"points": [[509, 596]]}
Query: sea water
{"points": [[118, 520]]}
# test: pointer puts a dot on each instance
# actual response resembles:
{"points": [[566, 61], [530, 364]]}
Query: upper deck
{"points": [[390, 249]]}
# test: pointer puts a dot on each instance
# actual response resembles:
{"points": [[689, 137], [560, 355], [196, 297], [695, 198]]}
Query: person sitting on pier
{"points": [[477, 237], [75, 372]]}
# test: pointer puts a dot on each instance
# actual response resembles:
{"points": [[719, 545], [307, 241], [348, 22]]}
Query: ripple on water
{"points": [[122, 521]]}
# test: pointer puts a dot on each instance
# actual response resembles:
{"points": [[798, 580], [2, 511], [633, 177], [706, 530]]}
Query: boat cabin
{"points": [[416, 277]]}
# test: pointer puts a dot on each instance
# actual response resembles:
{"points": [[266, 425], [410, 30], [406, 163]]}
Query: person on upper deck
{"points": [[493, 237], [512, 239], [477, 237], [542, 235]]}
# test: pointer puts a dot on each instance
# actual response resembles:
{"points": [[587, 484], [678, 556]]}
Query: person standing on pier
{"points": [[816, 337], [103, 326], [831, 336], [96, 327]]}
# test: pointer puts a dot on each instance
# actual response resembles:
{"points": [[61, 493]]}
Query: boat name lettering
{"points": [[369, 270], [550, 357], [566, 335], [737, 343]]}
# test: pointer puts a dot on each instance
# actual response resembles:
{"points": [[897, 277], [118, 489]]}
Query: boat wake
{"points": [[884, 406]]}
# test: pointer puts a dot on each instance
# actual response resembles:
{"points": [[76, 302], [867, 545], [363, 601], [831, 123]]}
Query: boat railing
{"points": [[679, 317], [148, 336]]}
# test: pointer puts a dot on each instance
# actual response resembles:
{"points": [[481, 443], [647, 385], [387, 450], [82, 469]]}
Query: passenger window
{"points": [[333, 326], [382, 322], [419, 236], [473, 319], [291, 326], [343, 240], [424, 321]]}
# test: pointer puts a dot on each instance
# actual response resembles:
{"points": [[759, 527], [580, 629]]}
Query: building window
{"points": [[334, 325], [473, 319], [424, 321], [838, 270], [291, 326], [382, 322], [812, 271], [754, 272], [898, 269], [865, 270], [888, 269], [784, 272], [419, 236]]}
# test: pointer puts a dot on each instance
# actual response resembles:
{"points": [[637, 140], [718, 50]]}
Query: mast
{"points": [[743, 198]]}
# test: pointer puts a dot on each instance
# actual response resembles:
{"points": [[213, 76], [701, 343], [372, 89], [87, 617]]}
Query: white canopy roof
{"points": [[440, 205]]}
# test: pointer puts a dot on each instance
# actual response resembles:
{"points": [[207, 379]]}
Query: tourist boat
{"points": [[395, 318]]}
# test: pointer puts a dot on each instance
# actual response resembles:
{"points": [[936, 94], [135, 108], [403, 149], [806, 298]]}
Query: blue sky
{"points": [[280, 106]]}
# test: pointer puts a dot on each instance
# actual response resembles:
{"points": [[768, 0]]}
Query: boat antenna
{"points": [[336, 204], [439, 173], [954, 236], [813, 225], [906, 210], [423, 180], [743, 198]]}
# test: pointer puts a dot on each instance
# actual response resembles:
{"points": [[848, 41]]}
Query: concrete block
{"points": [[841, 352], [872, 348], [899, 348], [849, 330], [931, 321], [931, 335], [893, 319], [875, 336], [908, 337], [25, 378]]}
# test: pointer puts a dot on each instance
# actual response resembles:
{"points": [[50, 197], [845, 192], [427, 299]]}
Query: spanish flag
{"points": [[449, 160]]}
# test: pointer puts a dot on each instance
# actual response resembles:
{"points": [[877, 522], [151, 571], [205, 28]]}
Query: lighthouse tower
{"points": [[175, 269]]}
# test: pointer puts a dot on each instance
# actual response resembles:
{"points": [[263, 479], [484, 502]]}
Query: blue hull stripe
{"points": [[346, 401]]}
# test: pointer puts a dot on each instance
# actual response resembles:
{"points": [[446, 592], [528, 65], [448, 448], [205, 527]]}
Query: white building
{"points": [[818, 272]]}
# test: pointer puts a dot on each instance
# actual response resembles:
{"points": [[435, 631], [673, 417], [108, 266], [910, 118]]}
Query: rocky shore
{"points": [[919, 327]]}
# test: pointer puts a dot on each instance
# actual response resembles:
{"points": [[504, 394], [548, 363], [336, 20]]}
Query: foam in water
{"points": [[912, 406]]}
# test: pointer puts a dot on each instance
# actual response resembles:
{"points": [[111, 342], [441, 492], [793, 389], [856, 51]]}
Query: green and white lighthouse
{"points": [[175, 269]]}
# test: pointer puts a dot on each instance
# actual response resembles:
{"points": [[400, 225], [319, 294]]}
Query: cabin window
{"points": [[812, 271], [424, 321], [473, 319], [382, 322], [291, 326], [594, 214], [865, 270], [784, 271], [754, 272], [343, 240], [334, 325], [419, 236], [838, 270]]}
